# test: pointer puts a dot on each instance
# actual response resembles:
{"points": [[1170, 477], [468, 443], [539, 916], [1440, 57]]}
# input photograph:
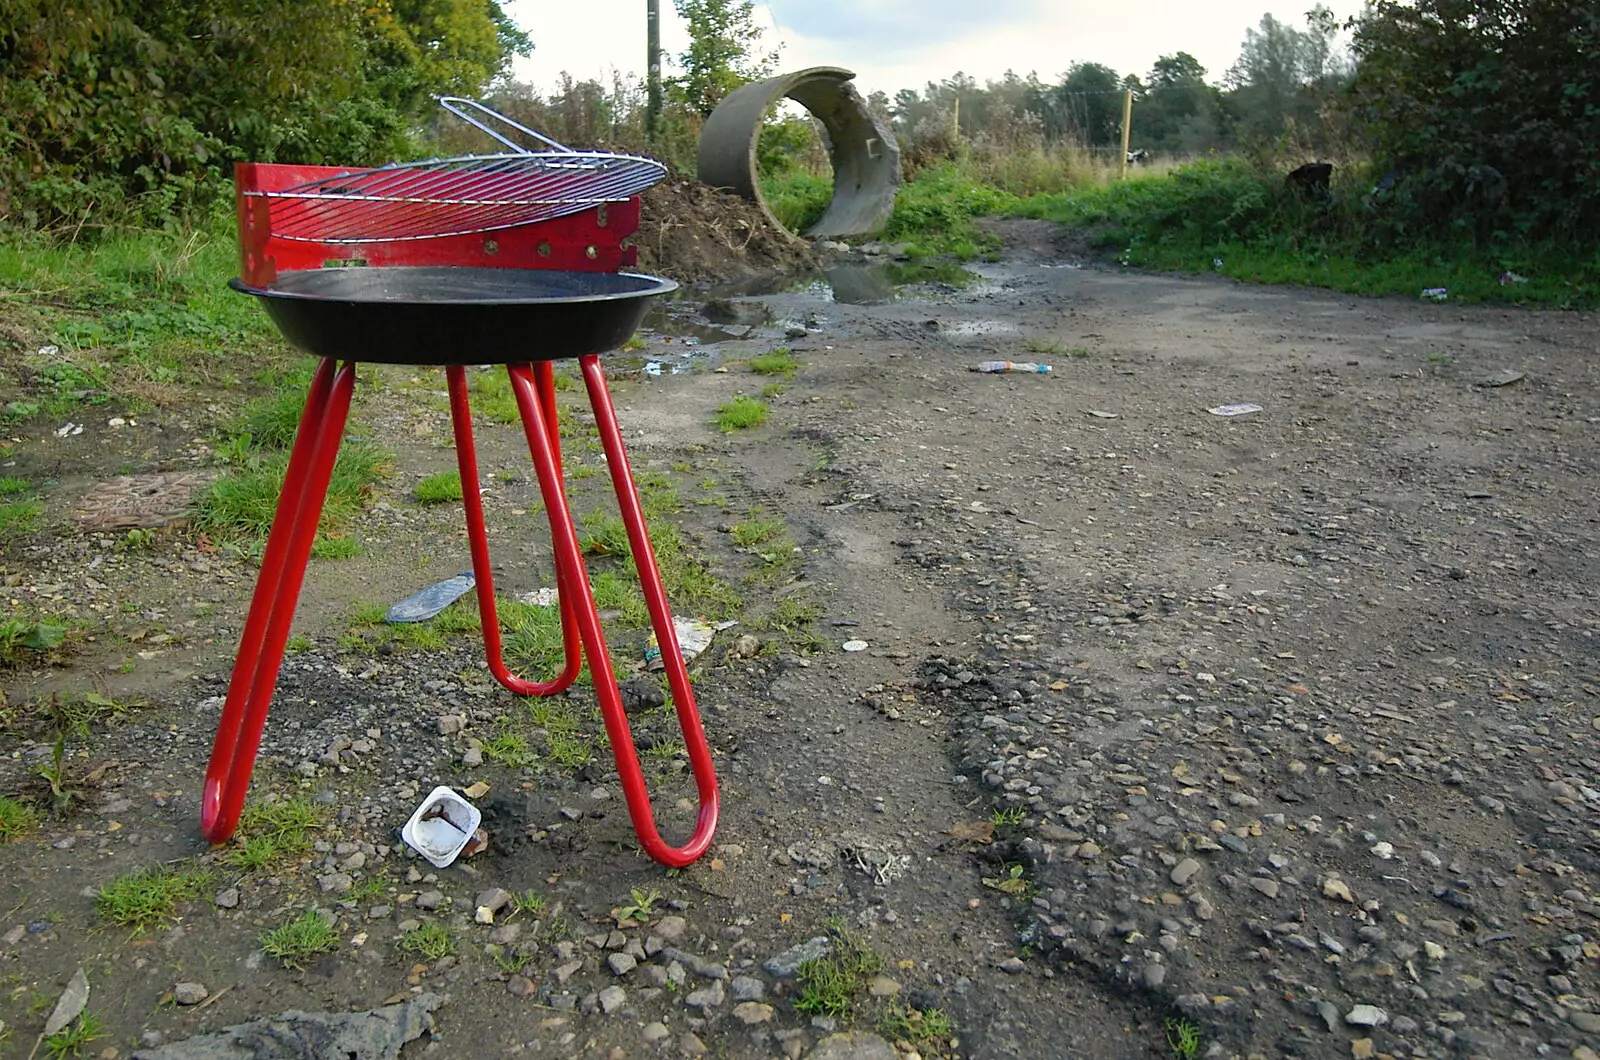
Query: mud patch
{"points": [[695, 234]]}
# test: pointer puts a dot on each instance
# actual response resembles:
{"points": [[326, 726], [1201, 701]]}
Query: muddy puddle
{"points": [[697, 330]]}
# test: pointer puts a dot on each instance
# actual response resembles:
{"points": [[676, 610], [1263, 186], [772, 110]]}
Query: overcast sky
{"points": [[895, 44]]}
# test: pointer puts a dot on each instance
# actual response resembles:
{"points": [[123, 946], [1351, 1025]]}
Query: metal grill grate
{"points": [[457, 196]]}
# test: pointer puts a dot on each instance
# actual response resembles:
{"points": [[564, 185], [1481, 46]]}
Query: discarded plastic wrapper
{"points": [[1436, 294], [430, 602], [1511, 279], [694, 637], [1236, 410], [442, 827], [1024, 367]]}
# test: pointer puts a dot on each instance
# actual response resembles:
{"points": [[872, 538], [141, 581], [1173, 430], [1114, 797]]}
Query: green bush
{"points": [[1228, 217]]}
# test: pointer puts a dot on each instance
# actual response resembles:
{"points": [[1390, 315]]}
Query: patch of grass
{"points": [[533, 643], [613, 592], [832, 985], [604, 534], [509, 749], [75, 1037], [1046, 347], [439, 489], [241, 504], [798, 199], [571, 750], [1010, 816], [634, 344], [1226, 216], [149, 897], [274, 833], [367, 890], [430, 942], [492, 396], [10, 485], [18, 518], [135, 312], [270, 422], [17, 819], [935, 214], [367, 628], [740, 414], [779, 362], [773, 390], [903, 1024], [1183, 1037], [753, 531], [530, 902], [295, 942]]}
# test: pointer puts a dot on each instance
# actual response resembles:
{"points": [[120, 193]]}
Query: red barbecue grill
{"points": [[513, 259]]}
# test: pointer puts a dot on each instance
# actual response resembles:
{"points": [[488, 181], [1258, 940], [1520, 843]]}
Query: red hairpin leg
{"points": [[538, 426], [283, 570], [478, 540]]}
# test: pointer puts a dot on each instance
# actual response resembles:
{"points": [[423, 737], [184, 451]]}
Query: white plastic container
{"points": [[441, 827]]}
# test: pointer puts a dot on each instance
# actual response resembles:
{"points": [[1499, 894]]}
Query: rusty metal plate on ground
{"points": [[142, 502]]}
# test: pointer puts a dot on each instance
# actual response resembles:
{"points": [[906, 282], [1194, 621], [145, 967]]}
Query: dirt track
{"points": [[1295, 713]]}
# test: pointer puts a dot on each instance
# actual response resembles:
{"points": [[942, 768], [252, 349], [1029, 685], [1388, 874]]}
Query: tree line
{"points": [[1282, 80], [1479, 115]]}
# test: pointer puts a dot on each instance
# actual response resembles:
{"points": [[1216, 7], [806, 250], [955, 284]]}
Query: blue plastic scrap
{"points": [[431, 601]]}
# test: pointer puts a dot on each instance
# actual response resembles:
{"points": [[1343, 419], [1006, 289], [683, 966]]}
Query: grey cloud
{"points": [[889, 26]]}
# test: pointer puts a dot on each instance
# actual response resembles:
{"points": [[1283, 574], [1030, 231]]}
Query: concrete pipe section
{"points": [[866, 157]]}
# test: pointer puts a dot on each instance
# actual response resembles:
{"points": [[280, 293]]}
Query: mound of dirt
{"points": [[694, 233]]}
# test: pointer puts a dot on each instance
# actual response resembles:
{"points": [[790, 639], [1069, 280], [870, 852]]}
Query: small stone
{"points": [[655, 1032], [747, 988], [611, 999], [1583, 1052], [1362, 1049], [671, 928], [335, 883], [883, 986], [1434, 950], [1587, 1022], [430, 899], [691, 1045], [563, 972], [506, 934], [854, 1045], [1337, 889], [787, 963], [1089, 851], [1012, 965], [1366, 1016], [495, 899], [709, 998], [1185, 871], [521, 986], [621, 963], [751, 1013], [451, 724], [1154, 975], [1330, 1015], [228, 899], [189, 993], [1265, 886]]}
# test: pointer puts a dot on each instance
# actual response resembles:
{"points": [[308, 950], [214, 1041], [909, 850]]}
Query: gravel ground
{"points": [[1279, 729]]}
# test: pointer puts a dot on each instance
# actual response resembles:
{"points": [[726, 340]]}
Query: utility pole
{"points": [[1127, 129], [652, 112]]}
